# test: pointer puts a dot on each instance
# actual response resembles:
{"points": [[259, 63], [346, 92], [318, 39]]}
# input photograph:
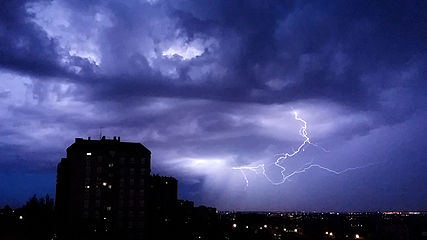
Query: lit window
{"points": [[109, 186], [110, 165], [88, 154], [108, 208], [265, 226], [104, 184]]}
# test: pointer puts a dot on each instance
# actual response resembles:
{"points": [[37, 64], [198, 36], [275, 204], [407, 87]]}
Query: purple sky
{"points": [[212, 85]]}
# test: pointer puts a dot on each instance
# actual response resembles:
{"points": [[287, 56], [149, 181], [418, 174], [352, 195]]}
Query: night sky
{"points": [[212, 85]]}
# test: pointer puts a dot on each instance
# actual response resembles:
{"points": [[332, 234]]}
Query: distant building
{"points": [[162, 203], [163, 193], [102, 188]]}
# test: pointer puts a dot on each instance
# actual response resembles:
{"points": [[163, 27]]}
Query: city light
{"points": [[104, 184], [20, 217], [88, 154], [331, 234], [357, 236], [295, 230], [234, 225], [265, 225]]}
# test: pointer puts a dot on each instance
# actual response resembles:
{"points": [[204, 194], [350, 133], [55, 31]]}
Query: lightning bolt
{"points": [[283, 156]]}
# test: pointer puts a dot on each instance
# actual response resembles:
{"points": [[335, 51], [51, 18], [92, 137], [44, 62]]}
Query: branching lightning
{"points": [[283, 156]]}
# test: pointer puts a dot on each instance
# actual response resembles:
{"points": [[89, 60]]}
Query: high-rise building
{"points": [[101, 189]]}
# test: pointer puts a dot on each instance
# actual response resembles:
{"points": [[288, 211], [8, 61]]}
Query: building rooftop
{"points": [[115, 141]]}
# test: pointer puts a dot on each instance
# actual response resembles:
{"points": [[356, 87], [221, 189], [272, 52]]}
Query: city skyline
{"points": [[254, 106]]}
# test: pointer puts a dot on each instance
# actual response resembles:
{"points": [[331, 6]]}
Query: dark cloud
{"points": [[26, 48], [312, 50]]}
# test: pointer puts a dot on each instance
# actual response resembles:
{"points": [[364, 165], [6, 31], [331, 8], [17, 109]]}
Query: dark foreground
{"points": [[203, 223]]}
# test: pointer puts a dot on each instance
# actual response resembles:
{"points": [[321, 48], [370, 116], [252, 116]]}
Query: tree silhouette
{"points": [[38, 217]]}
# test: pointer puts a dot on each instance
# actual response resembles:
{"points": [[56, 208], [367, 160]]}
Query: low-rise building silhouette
{"points": [[163, 197]]}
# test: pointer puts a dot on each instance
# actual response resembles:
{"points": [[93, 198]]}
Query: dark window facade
{"points": [[101, 186]]}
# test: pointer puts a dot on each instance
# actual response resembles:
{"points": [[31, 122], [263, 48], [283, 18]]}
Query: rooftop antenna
{"points": [[100, 132]]}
